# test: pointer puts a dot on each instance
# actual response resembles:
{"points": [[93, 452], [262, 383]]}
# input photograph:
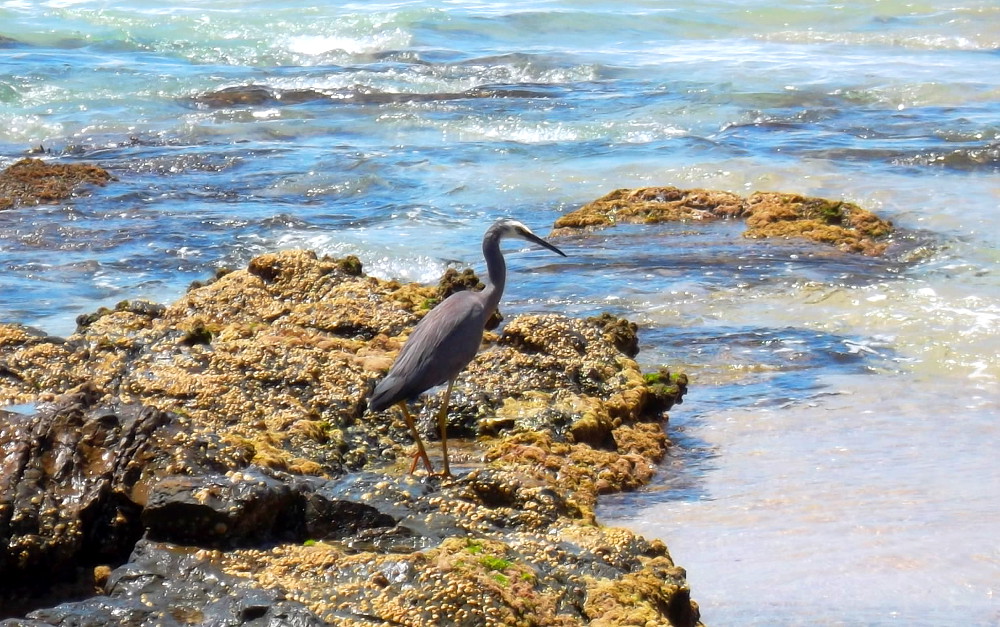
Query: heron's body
{"points": [[438, 349], [448, 338]]}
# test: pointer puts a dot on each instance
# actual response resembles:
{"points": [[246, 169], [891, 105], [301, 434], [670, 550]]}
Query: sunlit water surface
{"points": [[835, 459]]}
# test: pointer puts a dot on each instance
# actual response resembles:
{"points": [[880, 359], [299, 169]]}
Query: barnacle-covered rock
{"points": [[263, 470]]}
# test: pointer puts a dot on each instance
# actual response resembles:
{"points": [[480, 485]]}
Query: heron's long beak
{"points": [[531, 237]]}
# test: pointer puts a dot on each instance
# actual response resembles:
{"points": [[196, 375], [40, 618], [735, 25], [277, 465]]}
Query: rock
{"points": [[237, 509], [622, 333], [247, 507], [841, 224], [501, 548], [279, 358], [768, 214], [264, 95], [228, 429], [33, 181], [139, 307], [80, 482], [167, 584], [649, 205], [665, 389], [326, 518], [65, 480], [256, 95]]}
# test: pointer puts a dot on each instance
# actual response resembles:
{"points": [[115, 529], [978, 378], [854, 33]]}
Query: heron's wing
{"points": [[439, 347]]}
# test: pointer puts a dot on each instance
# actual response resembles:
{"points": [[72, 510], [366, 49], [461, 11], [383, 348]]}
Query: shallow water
{"points": [[834, 458], [816, 512]]}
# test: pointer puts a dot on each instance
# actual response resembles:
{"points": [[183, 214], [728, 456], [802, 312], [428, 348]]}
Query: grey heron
{"points": [[447, 339]]}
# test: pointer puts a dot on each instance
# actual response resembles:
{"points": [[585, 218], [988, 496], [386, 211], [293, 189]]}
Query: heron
{"points": [[447, 339]]}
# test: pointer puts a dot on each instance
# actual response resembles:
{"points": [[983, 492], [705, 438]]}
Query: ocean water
{"points": [[835, 462]]}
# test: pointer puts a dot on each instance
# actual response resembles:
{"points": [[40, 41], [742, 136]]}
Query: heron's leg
{"points": [[443, 427], [421, 451]]}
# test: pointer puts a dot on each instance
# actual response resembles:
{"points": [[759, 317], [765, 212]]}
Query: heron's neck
{"points": [[496, 268]]}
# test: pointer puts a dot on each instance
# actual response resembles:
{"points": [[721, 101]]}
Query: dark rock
{"points": [[264, 95], [327, 518], [248, 507], [65, 480], [80, 482], [243, 508], [163, 584], [256, 95]]}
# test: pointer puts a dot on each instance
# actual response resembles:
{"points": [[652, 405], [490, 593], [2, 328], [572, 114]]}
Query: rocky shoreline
{"points": [[223, 438], [211, 461]]}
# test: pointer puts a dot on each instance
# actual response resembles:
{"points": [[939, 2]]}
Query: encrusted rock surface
{"points": [[229, 431], [767, 214], [164, 584], [34, 181]]}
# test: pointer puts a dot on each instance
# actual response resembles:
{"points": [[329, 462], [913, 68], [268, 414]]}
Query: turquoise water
{"points": [[835, 459]]}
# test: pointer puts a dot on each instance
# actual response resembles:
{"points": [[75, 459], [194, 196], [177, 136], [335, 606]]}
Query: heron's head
{"points": [[507, 227]]}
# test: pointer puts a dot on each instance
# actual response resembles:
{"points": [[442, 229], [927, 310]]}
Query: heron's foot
{"points": [[445, 469], [421, 455]]}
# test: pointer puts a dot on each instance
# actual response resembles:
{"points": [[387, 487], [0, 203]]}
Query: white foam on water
{"points": [[315, 45]]}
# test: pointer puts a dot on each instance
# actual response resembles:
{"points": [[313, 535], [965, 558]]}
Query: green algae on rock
{"points": [[34, 181], [767, 214]]}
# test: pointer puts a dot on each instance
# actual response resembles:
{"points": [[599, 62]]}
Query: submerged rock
{"points": [[234, 421], [767, 214], [34, 181], [261, 95]]}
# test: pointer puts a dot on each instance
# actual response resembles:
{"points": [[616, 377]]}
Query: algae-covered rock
{"points": [[513, 554], [839, 223], [768, 214], [650, 205], [263, 457], [279, 359], [34, 181]]}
